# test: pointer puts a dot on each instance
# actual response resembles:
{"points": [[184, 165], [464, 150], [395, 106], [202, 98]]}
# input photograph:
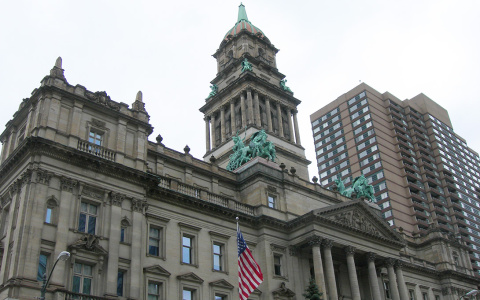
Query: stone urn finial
{"points": [[282, 166], [159, 139], [212, 159], [186, 149], [315, 179], [293, 170]]}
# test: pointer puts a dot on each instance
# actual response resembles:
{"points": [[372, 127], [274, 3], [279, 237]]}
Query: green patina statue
{"points": [[258, 146], [214, 91], [246, 66], [283, 84], [359, 189]]}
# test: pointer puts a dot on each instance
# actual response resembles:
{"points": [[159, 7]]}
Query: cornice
{"points": [[37, 145]]}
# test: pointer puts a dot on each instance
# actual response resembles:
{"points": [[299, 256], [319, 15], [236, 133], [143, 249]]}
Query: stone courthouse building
{"points": [[143, 221]]}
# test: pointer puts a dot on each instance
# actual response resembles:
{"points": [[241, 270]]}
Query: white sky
{"points": [[164, 48]]}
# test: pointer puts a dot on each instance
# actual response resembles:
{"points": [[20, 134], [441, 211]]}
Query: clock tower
{"points": [[250, 94]]}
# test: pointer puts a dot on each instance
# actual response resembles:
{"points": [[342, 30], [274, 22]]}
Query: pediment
{"points": [[190, 277], [222, 283], [157, 269], [359, 217], [90, 243]]}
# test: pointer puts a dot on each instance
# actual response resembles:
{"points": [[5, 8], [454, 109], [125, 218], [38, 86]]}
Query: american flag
{"points": [[249, 274]]}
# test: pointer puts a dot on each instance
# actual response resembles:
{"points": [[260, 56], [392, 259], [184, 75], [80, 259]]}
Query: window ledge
{"points": [[155, 256], [193, 265], [280, 277], [50, 224], [220, 271]]}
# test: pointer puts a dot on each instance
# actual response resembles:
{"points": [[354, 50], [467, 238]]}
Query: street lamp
{"points": [[63, 256], [471, 293]]}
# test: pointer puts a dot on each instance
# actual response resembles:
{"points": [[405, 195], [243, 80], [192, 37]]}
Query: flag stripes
{"points": [[249, 274]]}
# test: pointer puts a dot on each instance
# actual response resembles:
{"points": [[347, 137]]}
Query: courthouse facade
{"points": [[143, 221]]}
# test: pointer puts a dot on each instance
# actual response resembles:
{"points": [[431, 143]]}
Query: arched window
{"points": [[125, 230], [51, 211]]}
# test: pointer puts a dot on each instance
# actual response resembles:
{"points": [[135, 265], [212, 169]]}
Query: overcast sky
{"points": [[164, 48]]}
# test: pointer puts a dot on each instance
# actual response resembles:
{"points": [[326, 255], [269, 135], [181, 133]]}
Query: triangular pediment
{"points": [[190, 277], [360, 217], [222, 283], [157, 269]]}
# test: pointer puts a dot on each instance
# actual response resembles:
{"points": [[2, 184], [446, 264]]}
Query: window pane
{"points": [[76, 284], [186, 241], [87, 270], [216, 263], [84, 207], [77, 269], [42, 266], [87, 282], [187, 295], [48, 217], [186, 255], [93, 209], [120, 284], [122, 234], [91, 224]]}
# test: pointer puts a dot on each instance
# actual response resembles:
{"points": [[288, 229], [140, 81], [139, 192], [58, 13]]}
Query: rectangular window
{"points": [[95, 138], [154, 241], [424, 296], [122, 234], [386, 286], [42, 266], [220, 297], [188, 294], [120, 278], [48, 216], [154, 291], [88, 218], [277, 264], [82, 279], [218, 256], [411, 294], [271, 201], [187, 248]]}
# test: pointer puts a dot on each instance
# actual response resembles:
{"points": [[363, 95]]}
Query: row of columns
{"points": [[253, 113], [325, 274]]}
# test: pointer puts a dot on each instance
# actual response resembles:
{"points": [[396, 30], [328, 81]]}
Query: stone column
{"points": [[279, 119], [402, 287], [250, 107], [290, 126], [212, 130], [329, 270], [297, 130], [315, 242], [232, 116], [114, 242], [258, 119], [222, 123], [64, 218], [372, 276], [392, 279], [352, 273], [242, 108], [269, 115], [138, 207], [207, 133]]}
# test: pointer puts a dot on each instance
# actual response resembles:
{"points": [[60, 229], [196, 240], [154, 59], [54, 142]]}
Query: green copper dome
{"points": [[243, 24]]}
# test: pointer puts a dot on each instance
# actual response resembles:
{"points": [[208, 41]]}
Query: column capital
{"points": [[315, 241], [222, 107], [390, 262], [350, 250], [371, 256], [206, 118], [399, 264], [326, 243]]}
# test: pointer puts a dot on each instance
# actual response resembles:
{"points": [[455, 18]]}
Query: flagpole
{"points": [[236, 218]]}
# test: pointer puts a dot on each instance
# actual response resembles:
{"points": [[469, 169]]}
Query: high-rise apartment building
{"points": [[424, 175]]}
